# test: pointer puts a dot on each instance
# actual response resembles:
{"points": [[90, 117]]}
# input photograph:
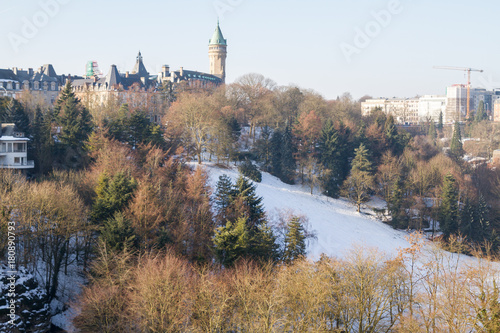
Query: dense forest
{"points": [[121, 197]]}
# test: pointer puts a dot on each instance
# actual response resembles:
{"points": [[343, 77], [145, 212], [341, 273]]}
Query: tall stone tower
{"points": [[217, 53]]}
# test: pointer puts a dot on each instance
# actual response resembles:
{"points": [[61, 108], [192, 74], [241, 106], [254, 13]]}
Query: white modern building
{"points": [[430, 107], [404, 110], [13, 149]]}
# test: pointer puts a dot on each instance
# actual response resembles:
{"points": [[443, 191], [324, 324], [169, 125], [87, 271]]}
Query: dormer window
{"points": [[53, 86], [36, 85]]}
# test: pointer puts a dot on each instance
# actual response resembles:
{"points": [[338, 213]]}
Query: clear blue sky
{"points": [[289, 41]]}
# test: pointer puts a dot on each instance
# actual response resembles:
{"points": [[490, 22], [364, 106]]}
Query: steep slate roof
{"points": [[8, 74], [217, 37], [48, 70], [113, 77]]}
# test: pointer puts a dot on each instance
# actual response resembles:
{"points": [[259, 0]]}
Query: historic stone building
{"points": [[43, 83], [139, 88]]}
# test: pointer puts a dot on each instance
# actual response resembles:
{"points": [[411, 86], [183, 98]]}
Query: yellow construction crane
{"points": [[468, 70]]}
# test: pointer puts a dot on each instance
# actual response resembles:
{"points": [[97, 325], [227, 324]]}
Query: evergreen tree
{"points": [[117, 233], [481, 113], [263, 146], [118, 127], [276, 154], [295, 245], [42, 144], [232, 241], [440, 122], [223, 197], [244, 191], [456, 147], [361, 161], [361, 181], [468, 220], [334, 154], [75, 121], [432, 133], [448, 210], [263, 244], [112, 196], [395, 205], [20, 118], [288, 165], [236, 240], [482, 229]]}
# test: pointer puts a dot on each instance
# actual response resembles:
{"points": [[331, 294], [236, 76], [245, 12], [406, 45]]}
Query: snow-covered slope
{"points": [[336, 223]]}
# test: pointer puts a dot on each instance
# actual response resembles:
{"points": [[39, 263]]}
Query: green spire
{"points": [[217, 38]]}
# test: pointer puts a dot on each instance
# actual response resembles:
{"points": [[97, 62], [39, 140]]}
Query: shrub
{"points": [[248, 169]]}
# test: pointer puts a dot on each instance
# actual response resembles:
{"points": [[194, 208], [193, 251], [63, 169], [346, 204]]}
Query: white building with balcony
{"points": [[14, 149]]}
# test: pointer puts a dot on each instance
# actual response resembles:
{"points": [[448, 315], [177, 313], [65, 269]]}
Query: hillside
{"points": [[336, 223]]}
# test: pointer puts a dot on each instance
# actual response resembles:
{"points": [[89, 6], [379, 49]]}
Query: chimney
{"points": [[126, 74], [182, 71], [30, 71]]}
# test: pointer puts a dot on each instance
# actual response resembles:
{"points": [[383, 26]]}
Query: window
{"points": [[17, 160], [9, 147], [19, 147]]}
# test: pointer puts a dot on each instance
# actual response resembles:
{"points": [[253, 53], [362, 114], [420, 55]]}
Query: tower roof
{"points": [[139, 67], [113, 77], [217, 37]]}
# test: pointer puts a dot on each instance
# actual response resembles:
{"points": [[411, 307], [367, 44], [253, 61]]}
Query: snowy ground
{"points": [[336, 223]]}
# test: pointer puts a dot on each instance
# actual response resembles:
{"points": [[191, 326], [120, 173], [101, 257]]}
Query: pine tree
{"points": [[223, 197], [117, 233], [395, 205], [432, 133], [288, 165], [295, 245], [42, 141], [74, 119], [482, 229], [480, 114], [440, 122], [232, 241], [263, 146], [20, 118], [244, 190], [361, 161], [334, 154], [448, 210], [456, 147], [468, 220], [276, 160], [263, 244], [361, 181], [236, 240], [112, 195]]}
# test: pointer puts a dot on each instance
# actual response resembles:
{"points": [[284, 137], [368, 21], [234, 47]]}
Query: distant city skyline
{"points": [[378, 48]]}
